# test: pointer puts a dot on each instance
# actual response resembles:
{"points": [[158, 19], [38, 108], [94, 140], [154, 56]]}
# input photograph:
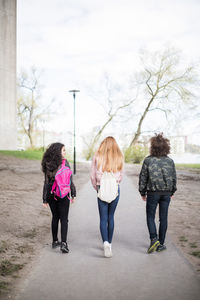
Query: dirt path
{"points": [[25, 224]]}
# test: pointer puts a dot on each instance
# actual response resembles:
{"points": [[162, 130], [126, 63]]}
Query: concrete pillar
{"points": [[8, 123]]}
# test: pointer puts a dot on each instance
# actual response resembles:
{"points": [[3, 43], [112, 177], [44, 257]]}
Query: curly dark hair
{"points": [[52, 157], [160, 146]]}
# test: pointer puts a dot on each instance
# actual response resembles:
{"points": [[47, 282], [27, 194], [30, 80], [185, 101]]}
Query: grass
{"points": [[30, 233], [7, 268], [184, 166], [188, 166], [183, 239], [193, 245], [196, 253], [3, 246], [27, 154], [3, 286], [25, 249]]}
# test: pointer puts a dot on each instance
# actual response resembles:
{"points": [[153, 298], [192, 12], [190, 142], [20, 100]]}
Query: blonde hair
{"points": [[109, 156]]}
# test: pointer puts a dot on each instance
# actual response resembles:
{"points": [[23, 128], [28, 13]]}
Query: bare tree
{"points": [[28, 106], [163, 82], [112, 109]]}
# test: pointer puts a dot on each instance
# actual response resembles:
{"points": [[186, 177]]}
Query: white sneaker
{"points": [[110, 249], [107, 249]]}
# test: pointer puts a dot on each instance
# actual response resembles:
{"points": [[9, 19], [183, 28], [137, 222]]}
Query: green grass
{"points": [[25, 248], [3, 246], [193, 245], [188, 166], [182, 239], [27, 154], [7, 268], [3, 286], [30, 233], [196, 253]]}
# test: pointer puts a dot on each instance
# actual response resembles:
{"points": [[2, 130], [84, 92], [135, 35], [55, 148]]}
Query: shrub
{"points": [[135, 154]]}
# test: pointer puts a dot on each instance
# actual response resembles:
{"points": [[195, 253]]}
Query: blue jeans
{"points": [[106, 213], [152, 201]]}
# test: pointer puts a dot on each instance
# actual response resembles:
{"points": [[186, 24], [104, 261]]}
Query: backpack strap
{"points": [[63, 162]]}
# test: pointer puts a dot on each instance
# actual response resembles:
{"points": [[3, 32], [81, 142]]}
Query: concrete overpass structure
{"points": [[8, 120]]}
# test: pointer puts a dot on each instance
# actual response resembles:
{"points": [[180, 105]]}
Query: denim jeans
{"points": [[106, 213], [152, 201]]}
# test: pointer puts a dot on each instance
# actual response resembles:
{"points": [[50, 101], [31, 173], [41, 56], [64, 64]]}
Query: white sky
{"points": [[76, 41]]}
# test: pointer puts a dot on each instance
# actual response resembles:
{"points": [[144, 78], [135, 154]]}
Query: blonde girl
{"points": [[108, 158]]}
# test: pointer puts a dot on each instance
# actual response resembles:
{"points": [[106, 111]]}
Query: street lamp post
{"points": [[74, 96]]}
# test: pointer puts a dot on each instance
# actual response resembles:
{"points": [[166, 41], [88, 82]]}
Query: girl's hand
{"points": [[73, 199], [144, 198], [45, 205]]}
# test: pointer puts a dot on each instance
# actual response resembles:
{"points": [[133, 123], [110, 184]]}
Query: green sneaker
{"points": [[153, 246], [161, 248]]}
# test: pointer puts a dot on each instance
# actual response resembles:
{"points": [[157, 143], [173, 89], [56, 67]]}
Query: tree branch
{"points": [[147, 82]]}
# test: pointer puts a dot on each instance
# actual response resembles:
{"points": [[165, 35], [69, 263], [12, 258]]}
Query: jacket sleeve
{"points": [[143, 179], [46, 194], [93, 173], [44, 191], [173, 179], [73, 188]]}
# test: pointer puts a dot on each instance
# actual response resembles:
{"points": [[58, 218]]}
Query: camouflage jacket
{"points": [[158, 174]]}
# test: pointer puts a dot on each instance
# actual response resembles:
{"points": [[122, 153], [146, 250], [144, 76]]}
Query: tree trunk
{"points": [[97, 136], [138, 131], [30, 125], [30, 140]]}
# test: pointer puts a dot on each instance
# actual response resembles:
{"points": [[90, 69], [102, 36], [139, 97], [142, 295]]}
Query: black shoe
{"points": [[161, 248], [64, 248], [55, 244], [153, 246]]}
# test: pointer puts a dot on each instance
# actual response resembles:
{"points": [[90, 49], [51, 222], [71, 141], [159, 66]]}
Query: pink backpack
{"points": [[61, 185]]}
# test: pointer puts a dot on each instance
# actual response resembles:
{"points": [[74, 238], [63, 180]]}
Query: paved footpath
{"points": [[130, 274]]}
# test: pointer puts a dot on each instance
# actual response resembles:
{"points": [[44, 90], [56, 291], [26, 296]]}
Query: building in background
{"points": [[8, 124], [178, 144]]}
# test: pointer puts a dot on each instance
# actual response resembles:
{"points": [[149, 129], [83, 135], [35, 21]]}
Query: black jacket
{"points": [[158, 174], [48, 182]]}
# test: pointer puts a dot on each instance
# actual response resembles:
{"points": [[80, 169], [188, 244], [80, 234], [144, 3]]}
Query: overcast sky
{"points": [[76, 41]]}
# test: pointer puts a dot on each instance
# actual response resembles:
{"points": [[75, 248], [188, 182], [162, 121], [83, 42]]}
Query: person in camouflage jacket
{"points": [[157, 183], [158, 175]]}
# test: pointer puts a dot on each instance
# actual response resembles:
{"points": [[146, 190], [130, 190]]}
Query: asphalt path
{"points": [[85, 274]]}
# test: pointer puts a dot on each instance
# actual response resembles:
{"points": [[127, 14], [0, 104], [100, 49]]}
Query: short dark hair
{"points": [[160, 146]]}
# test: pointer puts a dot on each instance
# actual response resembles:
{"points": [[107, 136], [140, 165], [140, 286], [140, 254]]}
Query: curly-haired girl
{"points": [[157, 184], [51, 163]]}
